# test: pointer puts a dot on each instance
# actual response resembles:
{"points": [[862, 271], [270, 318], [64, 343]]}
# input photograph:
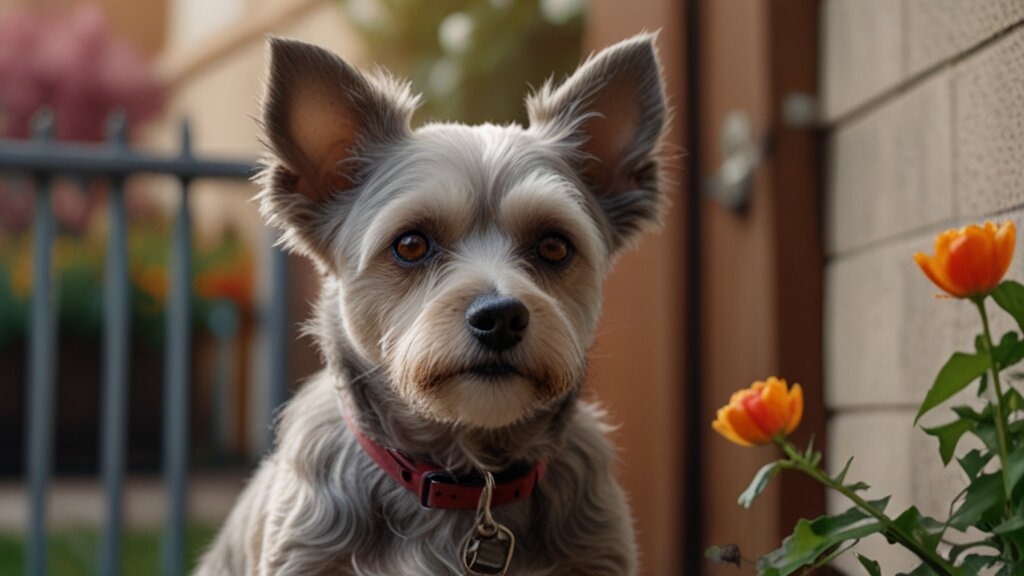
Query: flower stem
{"points": [[936, 562], [1004, 459]]}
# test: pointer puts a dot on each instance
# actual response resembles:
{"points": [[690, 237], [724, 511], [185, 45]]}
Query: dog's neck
{"points": [[383, 417]]}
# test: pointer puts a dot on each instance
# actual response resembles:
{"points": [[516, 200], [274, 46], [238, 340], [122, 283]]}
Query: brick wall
{"points": [[924, 101]]}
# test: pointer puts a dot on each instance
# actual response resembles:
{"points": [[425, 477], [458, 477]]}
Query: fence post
{"points": [[44, 159], [116, 343], [178, 380], [277, 338], [41, 362]]}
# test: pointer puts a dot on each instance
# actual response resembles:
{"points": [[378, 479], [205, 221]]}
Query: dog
{"points": [[462, 271]]}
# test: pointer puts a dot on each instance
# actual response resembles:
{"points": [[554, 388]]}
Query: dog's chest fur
{"points": [[320, 505]]}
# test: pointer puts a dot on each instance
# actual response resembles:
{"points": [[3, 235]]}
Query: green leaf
{"points": [[986, 432], [815, 460], [960, 370], [841, 477], [870, 565], [926, 530], [1010, 297], [949, 436], [973, 462], [812, 538], [970, 413], [1011, 525], [758, 484], [957, 549], [1009, 351], [1016, 427], [1013, 400], [983, 501], [1008, 568], [985, 429], [830, 555], [1016, 465], [809, 452], [976, 563]]}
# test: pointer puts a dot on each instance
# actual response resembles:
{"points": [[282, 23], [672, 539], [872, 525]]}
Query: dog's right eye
{"points": [[554, 249], [410, 248]]}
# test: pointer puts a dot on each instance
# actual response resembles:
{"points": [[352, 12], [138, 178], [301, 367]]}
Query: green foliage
{"points": [[221, 271], [1010, 297], [75, 552], [813, 538], [961, 369], [872, 567], [975, 563], [760, 482], [989, 511], [927, 531], [840, 479], [949, 436], [474, 60], [973, 462]]}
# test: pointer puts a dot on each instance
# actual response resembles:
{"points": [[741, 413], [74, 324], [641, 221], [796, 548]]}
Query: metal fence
{"points": [[115, 161]]}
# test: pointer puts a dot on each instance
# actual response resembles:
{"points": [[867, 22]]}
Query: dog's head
{"points": [[468, 261]]}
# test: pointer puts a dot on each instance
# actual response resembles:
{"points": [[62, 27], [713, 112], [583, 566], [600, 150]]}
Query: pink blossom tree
{"points": [[67, 61]]}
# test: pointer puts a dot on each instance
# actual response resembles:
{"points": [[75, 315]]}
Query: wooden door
{"points": [[760, 267], [638, 361], [720, 297]]}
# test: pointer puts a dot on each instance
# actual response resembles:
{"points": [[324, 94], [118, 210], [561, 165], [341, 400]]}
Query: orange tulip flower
{"points": [[759, 413], [971, 261]]}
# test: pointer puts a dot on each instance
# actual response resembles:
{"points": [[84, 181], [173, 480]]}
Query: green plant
{"points": [[968, 264], [221, 271], [472, 59]]}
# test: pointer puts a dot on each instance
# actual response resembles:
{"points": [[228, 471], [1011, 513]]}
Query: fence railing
{"points": [[115, 161]]}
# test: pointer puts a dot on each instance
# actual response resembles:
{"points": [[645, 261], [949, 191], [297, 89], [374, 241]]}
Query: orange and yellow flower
{"points": [[757, 414], [971, 261]]}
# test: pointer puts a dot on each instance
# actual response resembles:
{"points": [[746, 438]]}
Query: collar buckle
{"points": [[439, 489]]}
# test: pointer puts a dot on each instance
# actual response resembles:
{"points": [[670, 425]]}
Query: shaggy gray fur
{"points": [[344, 164]]}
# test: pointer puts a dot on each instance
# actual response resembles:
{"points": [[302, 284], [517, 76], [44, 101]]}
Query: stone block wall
{"points": [[924, 103]]}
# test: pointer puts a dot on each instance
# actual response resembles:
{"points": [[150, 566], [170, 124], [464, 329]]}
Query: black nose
{"points": [[498, 322]]}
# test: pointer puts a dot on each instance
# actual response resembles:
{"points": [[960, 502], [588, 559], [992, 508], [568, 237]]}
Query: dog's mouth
{"points": [[493, 370]]}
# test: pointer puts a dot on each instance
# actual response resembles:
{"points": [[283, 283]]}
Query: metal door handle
{"points": [[731, 184]]}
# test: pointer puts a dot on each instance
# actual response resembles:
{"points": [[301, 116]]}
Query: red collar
{"points": [[437, 488]]}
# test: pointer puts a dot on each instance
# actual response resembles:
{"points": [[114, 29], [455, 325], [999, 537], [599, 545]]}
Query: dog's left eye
{"points": [[554, 248], [411, 248]]}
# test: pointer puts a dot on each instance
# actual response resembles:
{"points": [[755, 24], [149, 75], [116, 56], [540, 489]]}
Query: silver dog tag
{"points": [[488, 548], [489, 555]]}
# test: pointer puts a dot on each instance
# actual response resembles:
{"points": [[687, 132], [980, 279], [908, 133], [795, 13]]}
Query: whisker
{"points": [[364, 374]]}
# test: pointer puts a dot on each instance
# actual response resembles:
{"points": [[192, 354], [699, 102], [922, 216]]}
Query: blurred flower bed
{"points": [[222, 271]]}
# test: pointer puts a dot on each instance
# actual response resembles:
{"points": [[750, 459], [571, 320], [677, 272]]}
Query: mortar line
{"points": [[907, 84]]}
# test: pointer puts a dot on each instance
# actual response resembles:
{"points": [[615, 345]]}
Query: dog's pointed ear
{"points": [[609, 117], [322, 119]]}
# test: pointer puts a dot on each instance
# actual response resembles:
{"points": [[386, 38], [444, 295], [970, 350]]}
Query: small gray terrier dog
{"points": [[462, 270]]}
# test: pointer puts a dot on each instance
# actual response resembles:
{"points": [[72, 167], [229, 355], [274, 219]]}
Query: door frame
{"points": [[757, 307]]}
